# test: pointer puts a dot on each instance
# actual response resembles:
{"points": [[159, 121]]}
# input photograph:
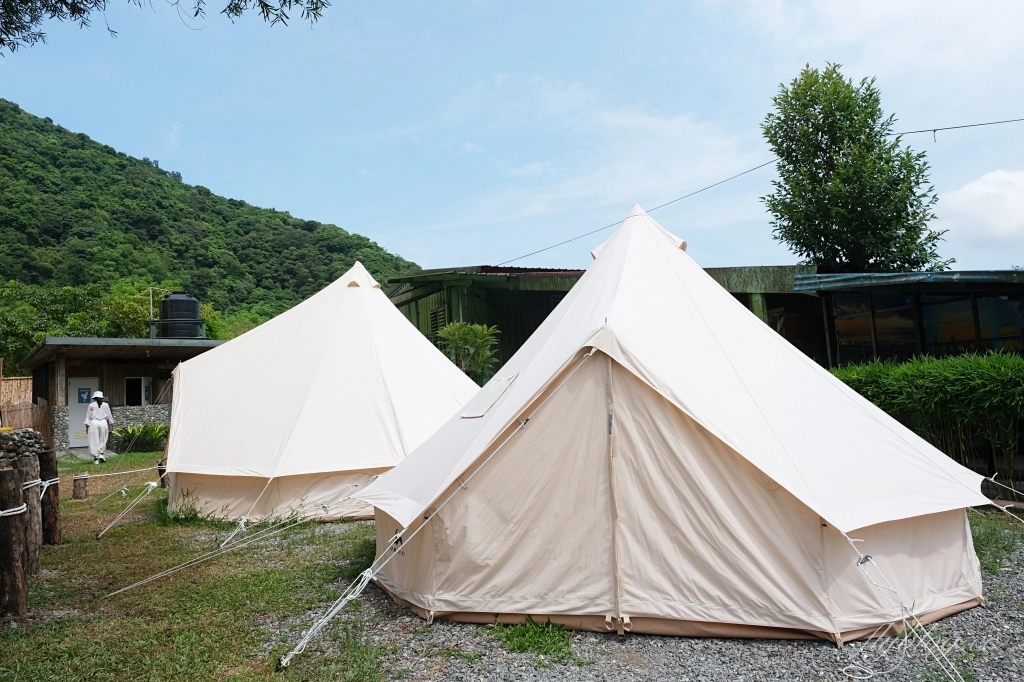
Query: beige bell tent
{"points": [[307, 407], [657, 459]]}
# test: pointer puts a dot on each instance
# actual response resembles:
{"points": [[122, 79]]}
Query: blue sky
{"points": [[472, 132]]}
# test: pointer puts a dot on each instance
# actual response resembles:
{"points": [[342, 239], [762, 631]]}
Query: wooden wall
{"points": [[111, 378], [16, 390]]}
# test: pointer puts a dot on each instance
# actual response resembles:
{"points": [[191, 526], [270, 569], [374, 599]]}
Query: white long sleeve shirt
{"points": [[98, 412]]}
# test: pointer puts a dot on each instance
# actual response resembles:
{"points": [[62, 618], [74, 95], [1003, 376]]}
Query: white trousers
{"points": [[98, 432]]}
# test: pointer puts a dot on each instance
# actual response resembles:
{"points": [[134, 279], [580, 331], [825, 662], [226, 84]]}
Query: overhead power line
{"points": [[685, 196], [968, 125], [733, 177]]}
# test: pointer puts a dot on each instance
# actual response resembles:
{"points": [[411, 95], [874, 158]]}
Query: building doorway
{"points": [[80, 390]]}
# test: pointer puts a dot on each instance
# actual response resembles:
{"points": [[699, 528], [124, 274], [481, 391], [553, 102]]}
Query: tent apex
{"points": [[636, 211]]}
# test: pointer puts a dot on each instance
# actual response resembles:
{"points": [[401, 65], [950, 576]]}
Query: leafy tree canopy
{"points": [[20, 19], [472, 347], [84, 228], [849, 197]]}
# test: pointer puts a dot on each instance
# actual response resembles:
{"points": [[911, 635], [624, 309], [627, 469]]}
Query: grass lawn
{"points": [[208, 622], [233, 617]]}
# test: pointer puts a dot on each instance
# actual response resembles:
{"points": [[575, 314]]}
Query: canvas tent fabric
{"points": [[656, 453], [321, 398]]}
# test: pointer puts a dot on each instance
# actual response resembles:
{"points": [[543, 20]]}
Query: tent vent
{"points": [[488, 395], [353, 283]]}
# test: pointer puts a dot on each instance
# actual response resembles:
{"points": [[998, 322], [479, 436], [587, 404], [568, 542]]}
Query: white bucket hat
{"points": [[97, 394]]}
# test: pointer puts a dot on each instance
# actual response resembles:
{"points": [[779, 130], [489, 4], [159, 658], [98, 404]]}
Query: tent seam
{"points": [[305, 400], [739, 378], [383, 380]]}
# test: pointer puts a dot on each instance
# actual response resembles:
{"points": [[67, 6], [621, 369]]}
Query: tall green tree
{"points": [[850, 197], [472, 347]]}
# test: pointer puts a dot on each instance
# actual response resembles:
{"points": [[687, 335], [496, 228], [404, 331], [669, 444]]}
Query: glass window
{"points": [[853, 327], [948, 324], [894, 326], [1002, 322]]}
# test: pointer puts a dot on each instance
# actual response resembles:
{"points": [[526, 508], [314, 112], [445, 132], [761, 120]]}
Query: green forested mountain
{"points": [[77, 213]]}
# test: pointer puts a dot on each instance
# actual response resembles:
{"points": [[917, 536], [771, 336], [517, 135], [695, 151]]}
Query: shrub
{"points": [[968, 406], [142, 437]]}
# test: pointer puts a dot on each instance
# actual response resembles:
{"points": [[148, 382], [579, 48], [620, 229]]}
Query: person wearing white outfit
{"points": [[98, 422]]}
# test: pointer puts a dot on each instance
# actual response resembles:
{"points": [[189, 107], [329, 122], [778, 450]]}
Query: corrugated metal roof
{"points": [[913, 280], [447, 273]]}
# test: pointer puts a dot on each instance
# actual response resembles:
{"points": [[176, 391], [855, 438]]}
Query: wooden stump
{"points": [[81, 489], [29, 467], [13, 581], [50, 503]]}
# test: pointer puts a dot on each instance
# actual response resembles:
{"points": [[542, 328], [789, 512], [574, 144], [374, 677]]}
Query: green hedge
{"points": [[968, 406]]}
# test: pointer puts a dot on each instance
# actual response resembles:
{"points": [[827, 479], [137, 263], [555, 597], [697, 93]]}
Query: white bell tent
{"points": [[656, 458], [307, 407]]}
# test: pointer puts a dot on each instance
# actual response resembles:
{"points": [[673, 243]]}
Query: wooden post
{"points": [[13, 581], [759, 307], [80, 491], [29, 467], [61, 380], [50, 503]]}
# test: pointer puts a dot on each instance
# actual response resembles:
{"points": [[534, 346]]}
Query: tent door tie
{"points": [[621, 624]]}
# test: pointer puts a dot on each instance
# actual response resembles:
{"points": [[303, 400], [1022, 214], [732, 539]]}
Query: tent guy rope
{"points": [[245, 518], [912, 625], [150, 487], [272, 530]]}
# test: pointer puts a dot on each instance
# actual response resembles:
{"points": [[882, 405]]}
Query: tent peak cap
{"points": [[629, 225], [359, 276]]}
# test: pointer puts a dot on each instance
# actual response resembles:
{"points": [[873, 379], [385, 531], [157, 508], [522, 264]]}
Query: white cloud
{"points": [[989, 209], [471, 147], [911, 36], [174, 135]]}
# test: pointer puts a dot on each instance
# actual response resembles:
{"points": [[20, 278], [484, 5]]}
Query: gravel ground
{"points": [[986, 644]]}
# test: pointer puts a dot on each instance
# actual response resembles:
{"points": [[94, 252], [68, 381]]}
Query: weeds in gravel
{"points": [[995, 538], [450, 652], [351, 657], [362, 554], [552, 643]]}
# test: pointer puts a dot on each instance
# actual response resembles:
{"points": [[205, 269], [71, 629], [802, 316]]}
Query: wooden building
{"points": [[517, 300], [134, 375]]}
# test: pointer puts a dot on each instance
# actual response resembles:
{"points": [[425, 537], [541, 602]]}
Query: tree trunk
{"points": [[50, 503], [13, 581], [80, 491], [29, 467]]}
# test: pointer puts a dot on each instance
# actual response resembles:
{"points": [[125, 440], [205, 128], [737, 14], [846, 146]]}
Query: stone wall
{"points": [[20, 443], [128, 416], [123, 416], [147, 414], [59, 428]]}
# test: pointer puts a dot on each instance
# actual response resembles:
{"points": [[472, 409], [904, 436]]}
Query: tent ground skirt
{"points": [[676, 628], [232, 497]]}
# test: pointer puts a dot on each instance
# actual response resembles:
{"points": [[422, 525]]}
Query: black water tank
{"points": [[179, 317]]}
